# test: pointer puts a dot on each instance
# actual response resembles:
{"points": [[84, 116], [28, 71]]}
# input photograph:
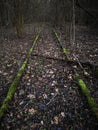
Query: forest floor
{"points": [[48, 96]]}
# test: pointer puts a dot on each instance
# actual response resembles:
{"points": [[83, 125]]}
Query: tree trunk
{"points": [[19, 18], [73, 21]]}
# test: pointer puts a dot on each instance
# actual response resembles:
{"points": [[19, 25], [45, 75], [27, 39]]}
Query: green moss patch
{"points": [[64, 50], [91, 102], [35, 41], [15, 82]]}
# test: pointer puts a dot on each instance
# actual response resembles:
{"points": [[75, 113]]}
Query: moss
{"points": [[63, 49], [93, 105], [83, 87], [34, 43], [10, 93], [3, 108], [57, 37], [19, 74], [22, 68], [13, 87], [15, 83], [24, 65], [91, 102], [30, 51]]}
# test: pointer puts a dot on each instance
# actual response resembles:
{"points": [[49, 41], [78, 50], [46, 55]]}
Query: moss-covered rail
{"points": [[91, 102], [15, 82], [65, 52]]}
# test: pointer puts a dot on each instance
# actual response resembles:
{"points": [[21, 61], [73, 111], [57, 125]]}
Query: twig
{"points": [[78, 61], [52, 99]]}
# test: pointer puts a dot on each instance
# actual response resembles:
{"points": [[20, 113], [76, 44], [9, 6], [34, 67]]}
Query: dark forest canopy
{"points": [[47, 10]]}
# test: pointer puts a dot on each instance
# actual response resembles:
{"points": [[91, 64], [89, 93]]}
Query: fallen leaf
{"points": [[34, 126], [62, 114], [31, 96], [56, 120], [32, 111]]}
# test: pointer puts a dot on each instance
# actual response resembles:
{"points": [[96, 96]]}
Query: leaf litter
{"points": [[48, 97]]}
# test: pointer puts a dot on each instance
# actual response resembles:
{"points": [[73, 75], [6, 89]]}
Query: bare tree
{"points": [[73, 19], [19, 17]]}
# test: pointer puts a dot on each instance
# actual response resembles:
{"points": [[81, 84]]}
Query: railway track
{"points": [[48, 94]]}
